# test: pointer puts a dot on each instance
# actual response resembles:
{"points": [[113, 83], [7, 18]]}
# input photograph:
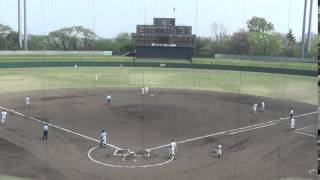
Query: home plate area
{"points": [[127, 158]]}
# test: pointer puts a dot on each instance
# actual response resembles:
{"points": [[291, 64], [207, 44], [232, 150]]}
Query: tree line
{"points": [[260, 38], [75, 38]]}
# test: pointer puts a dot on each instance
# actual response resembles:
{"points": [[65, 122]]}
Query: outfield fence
{"points": [[88, 62], [266, 58], [50, 53], [109, 53], [158, 65]]}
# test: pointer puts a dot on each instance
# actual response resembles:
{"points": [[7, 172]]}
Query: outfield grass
{"points": [[233, 62], [279, 86], [3, 177]]}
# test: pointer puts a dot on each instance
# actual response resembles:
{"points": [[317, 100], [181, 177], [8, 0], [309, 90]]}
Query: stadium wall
{"points": [[50, 53], [164, 52], [264, 58], [158, 65]]}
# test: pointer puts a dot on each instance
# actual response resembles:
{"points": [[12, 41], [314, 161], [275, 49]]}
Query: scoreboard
{"points": [[164, 22], [163, 34], [175, 30]]}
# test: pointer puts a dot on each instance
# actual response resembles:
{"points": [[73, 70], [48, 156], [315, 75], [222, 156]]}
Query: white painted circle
{"points": [[119, 166]]}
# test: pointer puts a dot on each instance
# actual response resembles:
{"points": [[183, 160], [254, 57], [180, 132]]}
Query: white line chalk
{"points": [[306, 134], [57, 127], [305, 127], [120, 166], [297, 131], [250, 129], [247, 128]]}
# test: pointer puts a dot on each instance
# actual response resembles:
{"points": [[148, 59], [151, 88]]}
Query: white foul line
{"points": [[247, 128], [211, 135], [236, 132], [57, 127], [297, 132], [305, 127]]}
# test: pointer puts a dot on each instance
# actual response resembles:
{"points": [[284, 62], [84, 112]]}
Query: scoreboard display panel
{"points": [[164, 33], [164, 22]]}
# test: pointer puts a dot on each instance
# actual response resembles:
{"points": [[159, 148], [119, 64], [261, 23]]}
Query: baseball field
{"points": [[198, 105]]}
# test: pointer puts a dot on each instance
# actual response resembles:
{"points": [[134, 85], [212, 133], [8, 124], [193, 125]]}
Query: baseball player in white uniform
{"points": [[146, 90], [219, 150], [173, 147], [143, 91], [291, 113], [108, 100], [45, 131], [103, 137], [254, 108], [292, 123], [262, 106], [28, 101], [4, 116]]}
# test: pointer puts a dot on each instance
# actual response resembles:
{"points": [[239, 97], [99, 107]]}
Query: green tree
{"points": [[258, 24], [124, 41], [290, 47], [203, 47], [72, 38], [239, 43], [8, 38], [264, 44], [222, 46], [11, 42], [314, 46], [291, 39], [102, 44], [38, 42]]}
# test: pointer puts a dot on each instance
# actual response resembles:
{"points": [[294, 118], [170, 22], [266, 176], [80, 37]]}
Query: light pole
{"points": [[303, 29], [309, 28], [19, 23], [25, 26]]}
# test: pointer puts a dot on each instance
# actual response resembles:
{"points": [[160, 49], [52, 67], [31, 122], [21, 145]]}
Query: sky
{"points": [[109, 17]]}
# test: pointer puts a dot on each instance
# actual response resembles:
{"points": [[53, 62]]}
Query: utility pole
{"points": [[309, 28], [303, 29], [25, 26], [19, 23]]}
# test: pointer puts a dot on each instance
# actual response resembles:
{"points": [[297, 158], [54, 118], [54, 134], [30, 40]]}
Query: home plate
{"points": [[121, 152]]}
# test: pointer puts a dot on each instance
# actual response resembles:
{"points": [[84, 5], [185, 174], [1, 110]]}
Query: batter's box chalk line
{"points": [[124, 153], [127, 152], [125, 166]]}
